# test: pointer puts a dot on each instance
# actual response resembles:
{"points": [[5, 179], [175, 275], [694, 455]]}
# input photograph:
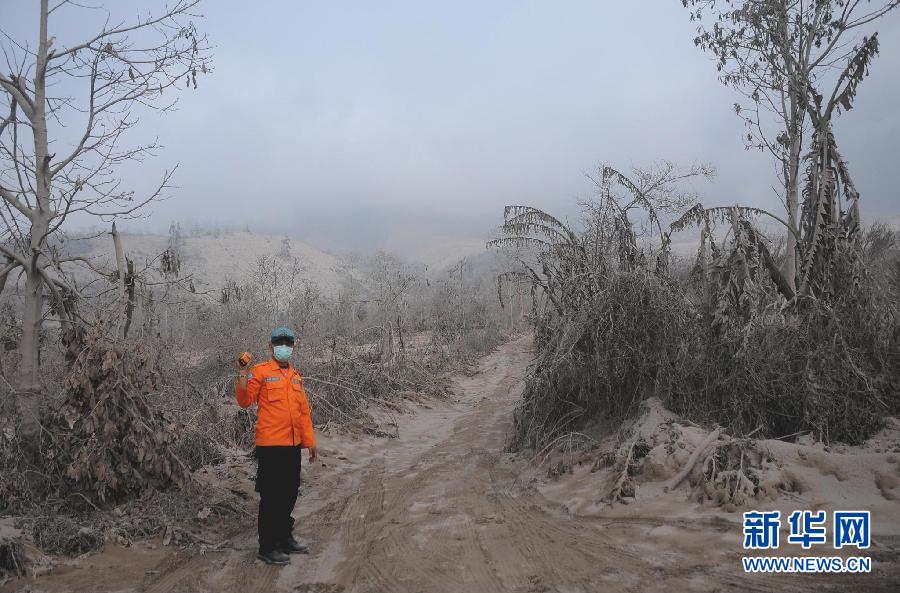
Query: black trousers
{"points": [[277, 481]]}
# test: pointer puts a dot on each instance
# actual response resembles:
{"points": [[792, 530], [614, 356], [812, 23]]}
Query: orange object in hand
{"points": [[244, 359]]}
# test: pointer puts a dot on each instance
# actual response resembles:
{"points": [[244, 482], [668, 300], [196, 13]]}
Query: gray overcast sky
{"points": [[348, 123]]}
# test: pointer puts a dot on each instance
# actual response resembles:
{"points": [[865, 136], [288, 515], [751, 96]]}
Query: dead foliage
{"points": [[109, 438]]}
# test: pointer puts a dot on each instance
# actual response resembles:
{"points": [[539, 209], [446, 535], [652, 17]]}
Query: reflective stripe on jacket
{"points": [[283, 408]]}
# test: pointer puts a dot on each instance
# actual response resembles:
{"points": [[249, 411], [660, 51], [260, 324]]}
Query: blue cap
{"points": [[283, 332]]}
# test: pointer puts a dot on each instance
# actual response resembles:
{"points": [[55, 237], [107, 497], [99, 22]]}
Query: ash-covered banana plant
{"points": [[599, 290], [796, 65]]}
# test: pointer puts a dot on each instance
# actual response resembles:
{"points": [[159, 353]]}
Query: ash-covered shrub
{"points": [[598, 362], [830, 371], [730, 343], [62, 535], [342, 388]]}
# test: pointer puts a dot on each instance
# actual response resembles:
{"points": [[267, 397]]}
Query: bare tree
{"points": [[389, 283], [786, 57], [97, 87]]}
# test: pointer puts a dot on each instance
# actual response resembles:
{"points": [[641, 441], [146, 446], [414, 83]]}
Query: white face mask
{"points": [[283, 353]]}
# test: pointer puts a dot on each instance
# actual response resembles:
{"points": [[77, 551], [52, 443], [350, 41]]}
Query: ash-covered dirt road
{"points": [[443, 508]]}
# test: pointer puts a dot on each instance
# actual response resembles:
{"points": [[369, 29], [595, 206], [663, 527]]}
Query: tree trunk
{"points": [[704, 265], [400, 333], [797, 66], [792, 201], [121, 324], [387, 337], [28, 396], [28, 393], [129, 306]]}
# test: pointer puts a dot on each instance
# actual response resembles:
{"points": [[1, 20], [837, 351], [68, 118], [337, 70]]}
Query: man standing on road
{"points": [[283, 428]]}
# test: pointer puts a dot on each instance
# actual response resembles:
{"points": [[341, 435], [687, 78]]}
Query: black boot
{"points": [[292, 546], [276, 557]]}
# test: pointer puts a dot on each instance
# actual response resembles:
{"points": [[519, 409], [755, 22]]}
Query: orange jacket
{"points": [[282, 406]]}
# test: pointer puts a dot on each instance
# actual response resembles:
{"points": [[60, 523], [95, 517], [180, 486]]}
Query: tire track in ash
{"points": [[358, 567], [532, 539], [391, 560], [392, 546], [186, 571], [246, 574], [361, 518], [545, 542], [452, 489]]}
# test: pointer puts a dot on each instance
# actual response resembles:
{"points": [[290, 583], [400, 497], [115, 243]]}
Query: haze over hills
{"points": [[213, 258]]}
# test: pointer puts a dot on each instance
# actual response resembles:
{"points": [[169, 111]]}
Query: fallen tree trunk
{"points": [[692, 460]]}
